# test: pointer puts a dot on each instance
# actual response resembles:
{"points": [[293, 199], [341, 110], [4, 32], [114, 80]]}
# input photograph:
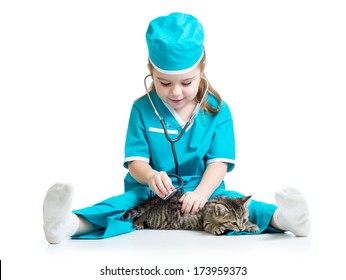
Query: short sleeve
{"points": [[136, 144], [222, 148]]}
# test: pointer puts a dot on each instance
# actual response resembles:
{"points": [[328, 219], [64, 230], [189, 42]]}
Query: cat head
{"points": [[232, 213]]}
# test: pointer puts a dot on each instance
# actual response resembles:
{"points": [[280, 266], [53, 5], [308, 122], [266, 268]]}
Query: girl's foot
{"points": [[58, 221], [292, 213]]}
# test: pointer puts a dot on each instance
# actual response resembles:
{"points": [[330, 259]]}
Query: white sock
{"points": [[58, 220], [292, 213]]}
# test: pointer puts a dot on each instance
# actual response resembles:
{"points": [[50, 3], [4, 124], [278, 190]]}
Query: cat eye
{"points": [[233, 223]]}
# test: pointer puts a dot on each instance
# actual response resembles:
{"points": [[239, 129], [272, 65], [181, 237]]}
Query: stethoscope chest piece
{"points": [[173, 192]]}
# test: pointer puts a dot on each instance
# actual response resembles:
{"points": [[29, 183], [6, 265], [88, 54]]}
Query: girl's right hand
{"points": [[161, 184]]}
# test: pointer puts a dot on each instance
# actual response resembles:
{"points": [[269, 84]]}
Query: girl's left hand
{"points": [[192, 202]]}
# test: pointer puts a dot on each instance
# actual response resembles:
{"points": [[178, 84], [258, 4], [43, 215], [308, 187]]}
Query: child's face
{"points": [[178, 91]]}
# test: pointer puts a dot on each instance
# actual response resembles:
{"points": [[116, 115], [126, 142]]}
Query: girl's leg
{"points": [[101, 220], [292, 213], [84, 226]]}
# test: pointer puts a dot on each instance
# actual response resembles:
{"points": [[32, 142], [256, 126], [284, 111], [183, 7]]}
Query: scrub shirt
{"points": [[210, 138]]}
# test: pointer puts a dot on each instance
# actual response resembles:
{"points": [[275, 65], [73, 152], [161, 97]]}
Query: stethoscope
{"points": [[173, 141]]}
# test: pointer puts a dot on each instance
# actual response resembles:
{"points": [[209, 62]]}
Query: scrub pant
{"points": [[107, 214]]}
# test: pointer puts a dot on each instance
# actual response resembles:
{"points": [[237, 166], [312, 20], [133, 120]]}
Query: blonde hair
{"points": [[201, 89]]}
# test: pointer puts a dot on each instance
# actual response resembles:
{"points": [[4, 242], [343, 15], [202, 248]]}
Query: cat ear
{"points": [[220, 209], [246, 200]]}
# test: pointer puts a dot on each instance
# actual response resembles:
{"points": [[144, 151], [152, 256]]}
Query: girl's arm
{"points": [[212, 178], [158, 182]]}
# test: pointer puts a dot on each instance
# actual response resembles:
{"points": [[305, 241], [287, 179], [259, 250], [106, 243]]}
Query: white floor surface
{"points": [[266, 256]]}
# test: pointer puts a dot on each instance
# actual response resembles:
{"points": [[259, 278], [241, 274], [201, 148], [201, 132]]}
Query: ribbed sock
{"points": [[58, 220], [292, 213]]}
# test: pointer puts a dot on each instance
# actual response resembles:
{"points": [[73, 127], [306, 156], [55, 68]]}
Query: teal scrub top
{"points": [[210, 138]]}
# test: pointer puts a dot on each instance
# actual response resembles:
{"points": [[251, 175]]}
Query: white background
{"points": [[70, 70]]}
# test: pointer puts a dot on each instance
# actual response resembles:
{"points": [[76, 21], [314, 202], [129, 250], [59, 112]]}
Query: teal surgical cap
{"points": [[175, 43]]}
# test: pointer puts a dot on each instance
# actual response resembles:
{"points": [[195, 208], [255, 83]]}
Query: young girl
{"points": [[205, 152]]}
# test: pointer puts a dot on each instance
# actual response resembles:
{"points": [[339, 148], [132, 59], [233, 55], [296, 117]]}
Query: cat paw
{"points": [[139, 226], [253, 228], [218, 230]]}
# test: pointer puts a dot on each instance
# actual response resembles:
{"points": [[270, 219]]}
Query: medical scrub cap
{"points": [[175, 43]]}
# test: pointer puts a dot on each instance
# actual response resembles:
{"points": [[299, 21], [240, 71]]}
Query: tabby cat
{"points": [[218, 215]]}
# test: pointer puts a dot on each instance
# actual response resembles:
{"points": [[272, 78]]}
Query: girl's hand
{"points": [[192, 202], [160, 184]]}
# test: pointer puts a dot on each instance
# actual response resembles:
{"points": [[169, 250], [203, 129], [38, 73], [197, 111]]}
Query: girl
{"points": [[205, 152]]}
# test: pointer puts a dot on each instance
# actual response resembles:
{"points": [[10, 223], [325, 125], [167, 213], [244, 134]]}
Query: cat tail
{"points": [[136, 211]]}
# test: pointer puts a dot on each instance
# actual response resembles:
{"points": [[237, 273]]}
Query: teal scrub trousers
{"points": [[107, 214]]}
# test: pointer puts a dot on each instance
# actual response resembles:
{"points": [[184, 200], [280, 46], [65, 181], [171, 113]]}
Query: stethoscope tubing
{"points": [[173, 141]]}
